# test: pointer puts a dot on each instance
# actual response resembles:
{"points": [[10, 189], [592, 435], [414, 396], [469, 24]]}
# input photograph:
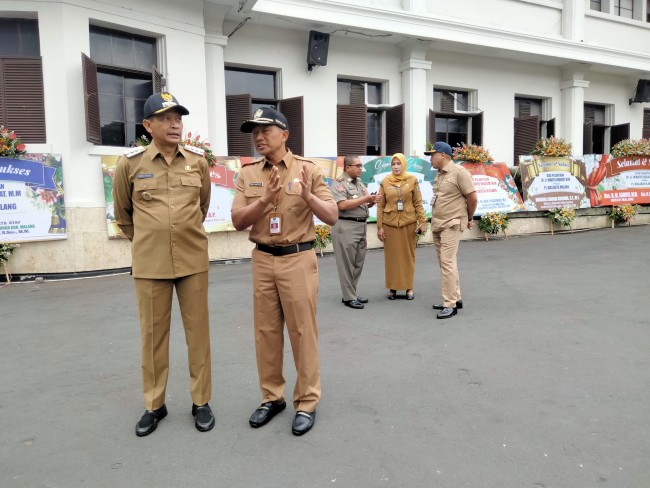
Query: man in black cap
{"points": [[161, 195], [278, 195], [452, 210]]}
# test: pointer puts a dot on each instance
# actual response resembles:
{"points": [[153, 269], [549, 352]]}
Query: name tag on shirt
{"points": [[144, 175]]}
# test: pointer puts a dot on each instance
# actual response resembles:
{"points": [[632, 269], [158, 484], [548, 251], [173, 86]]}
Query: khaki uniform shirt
{"points": [[297, 217], [161, 207], [387, 212], [452, 184], [346, 188]]}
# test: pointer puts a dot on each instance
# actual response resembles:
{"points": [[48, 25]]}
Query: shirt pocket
{"points": [[145, 190], [190, 189], [252, 193]]}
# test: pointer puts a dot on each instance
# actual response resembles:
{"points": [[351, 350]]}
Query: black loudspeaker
{"points": [[317, 49], [642, 93]]}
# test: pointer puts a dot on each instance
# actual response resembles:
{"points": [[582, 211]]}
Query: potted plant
{"points": [[563, 216], [623, 214], [492, 223], [631, 148], [6, 250], [552, 147], [323, 237]]}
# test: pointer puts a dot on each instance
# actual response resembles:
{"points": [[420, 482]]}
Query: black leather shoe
{"points": [[446, 313], [362, 300], [303, 422], [203, 417], [149, 421], [265, 413], [459, 305], [353, 304]]}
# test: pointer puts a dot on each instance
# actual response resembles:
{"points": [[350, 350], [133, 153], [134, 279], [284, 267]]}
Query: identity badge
{"points": [[275, 223]]}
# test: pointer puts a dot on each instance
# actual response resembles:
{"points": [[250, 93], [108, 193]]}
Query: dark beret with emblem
{"points": [[265, 116], [161, 102]]}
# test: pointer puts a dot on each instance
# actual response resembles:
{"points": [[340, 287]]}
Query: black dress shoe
{"points": [[459, 305], [362, 300], [353, 304], [265, 413], [149, 421], [446, 313], [303, 422], [203, 417]]}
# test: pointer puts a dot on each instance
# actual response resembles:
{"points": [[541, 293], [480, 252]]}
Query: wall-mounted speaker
{"points": [[317, 49], [642, 93]]}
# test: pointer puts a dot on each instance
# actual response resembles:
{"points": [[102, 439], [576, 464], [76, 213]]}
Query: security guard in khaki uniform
{"points": [[278, 196], [453, 207], [349, 233], [161, 194]]}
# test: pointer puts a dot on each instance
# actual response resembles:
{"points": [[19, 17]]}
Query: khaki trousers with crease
{"points": [[446, 242]]}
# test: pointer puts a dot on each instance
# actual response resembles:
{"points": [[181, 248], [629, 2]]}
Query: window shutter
{"points": [[646, 123], [351, 129], [447, 103], [619, 133], [157, 80], [432, 126], [395, 129], [526, 135], [91, 100], [524, 107], [238, 110], [22, 105], [550, 128], [292, 109], [590, 114], [588, 137], [477, 129], [357, 94]]}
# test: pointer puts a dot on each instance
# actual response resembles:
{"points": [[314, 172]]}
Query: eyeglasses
{"points": [[355, 165]]}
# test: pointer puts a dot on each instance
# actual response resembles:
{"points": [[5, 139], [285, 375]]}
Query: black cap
{"points": [[161, 102], [265, 116]]}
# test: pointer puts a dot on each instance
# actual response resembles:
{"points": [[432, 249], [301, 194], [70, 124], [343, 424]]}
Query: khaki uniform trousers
{"points": [[350, 244], [446, 242], [285, 289], [155, 305]]}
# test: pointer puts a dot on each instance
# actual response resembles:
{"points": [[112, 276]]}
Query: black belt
{"points": [[285, 250], [354, 219]]}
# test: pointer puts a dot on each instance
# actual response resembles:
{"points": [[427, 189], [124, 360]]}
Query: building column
{"points": [[414, 95], [573, 20], [573, 105], [216, 96]]}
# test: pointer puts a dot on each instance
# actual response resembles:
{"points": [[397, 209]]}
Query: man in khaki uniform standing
{"points": [[454, 204], [349, 233], [161, 196], [278, 196]]}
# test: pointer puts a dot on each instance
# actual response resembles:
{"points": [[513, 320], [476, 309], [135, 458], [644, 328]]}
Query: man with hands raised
{"points": [[278, 196]]}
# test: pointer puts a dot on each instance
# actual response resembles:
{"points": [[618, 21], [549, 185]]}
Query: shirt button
{"points": [[171, 206], [170, 187]]}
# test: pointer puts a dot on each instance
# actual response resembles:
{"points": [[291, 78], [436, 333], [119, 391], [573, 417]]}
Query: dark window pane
{"points": [[373, 131], [122, 50], [111, 107], [9, 43], [255, 106], [29, 38], [441, 125], [113, 134], [457, 125], [100, 46], [257, 84], [456, 139], [144, 51], [137, 88], [461, 97], [441, 136], [110, 84]]}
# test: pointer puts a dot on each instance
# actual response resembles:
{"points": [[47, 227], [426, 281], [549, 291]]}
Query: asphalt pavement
{"points": [[542, 380]]}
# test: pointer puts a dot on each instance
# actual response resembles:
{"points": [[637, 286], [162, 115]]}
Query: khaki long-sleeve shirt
{"points": [[451, 186], [161, 207], [409, 192]]}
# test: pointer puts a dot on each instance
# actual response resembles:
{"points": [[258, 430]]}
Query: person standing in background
{"points": [[349, 234], [452, 211], [400, 215]]}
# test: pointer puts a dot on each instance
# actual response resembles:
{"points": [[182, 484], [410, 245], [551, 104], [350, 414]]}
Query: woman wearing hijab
{"points": [[400, 215]]}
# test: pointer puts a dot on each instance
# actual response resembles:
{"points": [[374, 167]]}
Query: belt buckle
{"points": [[298, 247]]}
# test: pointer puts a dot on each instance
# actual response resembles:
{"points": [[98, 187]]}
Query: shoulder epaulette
{"points": [[194, 149], [132, 151], [307, 160]]}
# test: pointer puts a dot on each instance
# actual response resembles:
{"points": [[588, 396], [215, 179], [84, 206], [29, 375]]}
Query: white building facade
{"points": [[398, 73]]}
